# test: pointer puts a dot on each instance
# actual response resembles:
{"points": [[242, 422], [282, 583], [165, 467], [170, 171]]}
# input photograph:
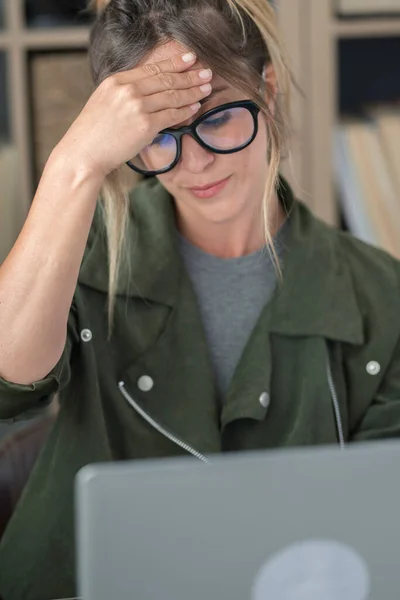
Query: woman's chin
{"points": [[217, 210]]}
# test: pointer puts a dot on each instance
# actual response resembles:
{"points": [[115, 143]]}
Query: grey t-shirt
{"points": [[231, 294]]}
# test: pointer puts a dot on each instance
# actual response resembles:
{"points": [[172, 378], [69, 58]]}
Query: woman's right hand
{"points": [[129, 109]]}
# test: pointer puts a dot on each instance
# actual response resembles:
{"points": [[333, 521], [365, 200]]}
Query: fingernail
{"points": [[195, 106], [188, 57], [206, 87], [205, 74]]}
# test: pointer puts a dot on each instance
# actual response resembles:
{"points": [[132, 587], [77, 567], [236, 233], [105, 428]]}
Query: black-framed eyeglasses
{"points": [[225, 129]]}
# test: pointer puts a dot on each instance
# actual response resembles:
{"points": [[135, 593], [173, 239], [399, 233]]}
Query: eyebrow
{"points": [[214, 92]]}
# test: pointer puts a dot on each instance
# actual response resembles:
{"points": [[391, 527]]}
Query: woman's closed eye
{"points": [[217, 121]]}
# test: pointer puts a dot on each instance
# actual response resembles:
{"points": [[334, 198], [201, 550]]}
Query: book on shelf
{"points": [[367, 174], [365, 7]]}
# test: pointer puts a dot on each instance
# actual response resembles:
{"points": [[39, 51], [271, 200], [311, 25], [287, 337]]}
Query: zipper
{"points": [[176, 440], [336, 407], [168, 434]]}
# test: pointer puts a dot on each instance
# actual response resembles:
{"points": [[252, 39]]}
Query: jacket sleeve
{"points": [[25, 401], [382, 418]]}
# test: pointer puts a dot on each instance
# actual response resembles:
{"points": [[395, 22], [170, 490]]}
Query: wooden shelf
{"points": [[371, 27], [41, 39], [47, 39]]}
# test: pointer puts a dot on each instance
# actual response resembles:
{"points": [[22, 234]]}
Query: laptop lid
{"points": [[301, 524]]}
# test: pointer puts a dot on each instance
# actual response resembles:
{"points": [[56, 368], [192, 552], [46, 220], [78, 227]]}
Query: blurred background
{"points": [[346, 123]]}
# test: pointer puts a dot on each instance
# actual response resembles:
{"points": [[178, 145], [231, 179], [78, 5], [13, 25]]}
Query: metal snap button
{"points": [[145, 383], [86, 335], [264, 399], [373, 367]]}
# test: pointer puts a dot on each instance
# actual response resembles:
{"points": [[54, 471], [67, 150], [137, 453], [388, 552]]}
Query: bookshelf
{"points": [[366, 27], [326, 46], [367, 126], [18, 42], [313, 31]]}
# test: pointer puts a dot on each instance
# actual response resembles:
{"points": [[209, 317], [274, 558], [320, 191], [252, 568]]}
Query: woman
{"points": [[211, 312]]}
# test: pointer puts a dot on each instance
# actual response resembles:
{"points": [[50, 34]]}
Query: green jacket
{"points": [[323, 362]]}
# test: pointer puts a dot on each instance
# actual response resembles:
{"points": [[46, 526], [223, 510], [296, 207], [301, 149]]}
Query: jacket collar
{"points": [[315, 297]]}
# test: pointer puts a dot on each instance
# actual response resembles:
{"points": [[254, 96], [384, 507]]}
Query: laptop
{"points": [[300, 524]]}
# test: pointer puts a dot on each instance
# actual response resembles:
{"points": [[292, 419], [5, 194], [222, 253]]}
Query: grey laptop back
{"points": [[284, 525]]}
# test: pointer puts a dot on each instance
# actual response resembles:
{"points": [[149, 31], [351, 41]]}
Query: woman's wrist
{"points": [[74, 169]]}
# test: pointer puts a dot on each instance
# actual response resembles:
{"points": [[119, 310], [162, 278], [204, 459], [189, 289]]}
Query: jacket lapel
{"points": [[317, 295], [182, 398]]}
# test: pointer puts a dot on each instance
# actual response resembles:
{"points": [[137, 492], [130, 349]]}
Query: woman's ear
{"points": [[271, 86]]}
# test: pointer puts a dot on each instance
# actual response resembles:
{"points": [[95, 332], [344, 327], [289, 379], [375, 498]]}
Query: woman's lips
{"points": [[210, 190]]}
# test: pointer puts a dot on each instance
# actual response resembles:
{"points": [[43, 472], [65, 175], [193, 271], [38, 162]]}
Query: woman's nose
{"points": [[194, 157]]}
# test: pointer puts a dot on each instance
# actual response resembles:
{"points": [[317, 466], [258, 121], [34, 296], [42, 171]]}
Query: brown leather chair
{"points": [[18, 453]]}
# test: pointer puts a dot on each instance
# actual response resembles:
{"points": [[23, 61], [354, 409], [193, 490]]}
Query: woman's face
{"points": [[198, 167]]}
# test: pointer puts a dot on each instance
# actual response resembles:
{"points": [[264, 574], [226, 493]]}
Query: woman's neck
{"points": [[238, 237]]}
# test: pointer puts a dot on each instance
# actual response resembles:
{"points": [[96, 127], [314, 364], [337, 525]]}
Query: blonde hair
{"points": [[247, 40]]}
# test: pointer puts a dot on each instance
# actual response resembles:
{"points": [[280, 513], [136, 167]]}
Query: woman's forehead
{"points": [[165, 51], [171, 49]]}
